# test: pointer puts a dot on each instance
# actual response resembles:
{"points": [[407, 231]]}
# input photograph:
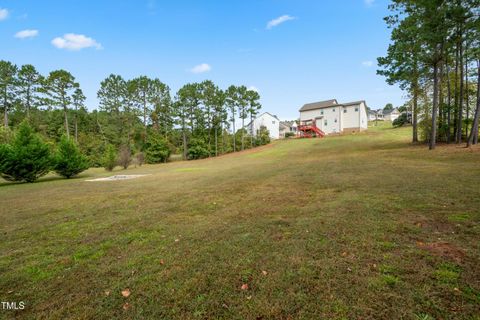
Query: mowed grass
{"points": [[362, 226]]}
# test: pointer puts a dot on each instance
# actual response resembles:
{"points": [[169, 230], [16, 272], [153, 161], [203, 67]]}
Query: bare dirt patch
{"points": [[443, 249], [120, 177]]}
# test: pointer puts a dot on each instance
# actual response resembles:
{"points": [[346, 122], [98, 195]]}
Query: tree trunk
{"points": [[473, 137], [76, 125], [467, 107], [458, 137], [251, 130], [433, 133], [144, 117], [28, 102], [216, 141], [234, 136], [449, 101], [243, 132], [67, 130], [184, 136], [414, 114], [5, 109], [455, 88]]}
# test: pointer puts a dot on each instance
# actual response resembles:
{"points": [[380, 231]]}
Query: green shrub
{"points": [[69, 161], [156, 149], [109, 158], [263, 136], [400, 121], [197, 149], [27, 158], [289, 134]]}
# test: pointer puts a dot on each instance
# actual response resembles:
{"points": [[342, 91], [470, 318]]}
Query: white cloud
{"points": [[3, 14], [29, 33], [75, 42], [279, 20], [367, 63], [369, 3], [253, 88], [201, 68]]}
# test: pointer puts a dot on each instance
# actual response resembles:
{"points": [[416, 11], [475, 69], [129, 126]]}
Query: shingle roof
{"points": [[354, 102], [319, 105]]}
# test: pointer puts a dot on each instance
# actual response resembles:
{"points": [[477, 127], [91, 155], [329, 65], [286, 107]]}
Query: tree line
{"points": [[435, 57], [136, 119]]}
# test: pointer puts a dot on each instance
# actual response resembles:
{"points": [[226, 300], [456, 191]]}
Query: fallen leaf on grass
{"points": [[107, 292], [126, 293], [264, 272], [176, 240], [244, 286], [126, 306], [344, 254], [249, 297], [162, 262]]}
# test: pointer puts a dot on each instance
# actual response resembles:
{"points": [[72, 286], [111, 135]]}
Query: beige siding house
{"points": [[332, 117]]}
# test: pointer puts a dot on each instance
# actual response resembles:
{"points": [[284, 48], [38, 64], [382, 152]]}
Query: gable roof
{"points": [[274, 116], [319, 105], [386, 112], [354, 102], [268, 114], [328, 103]]}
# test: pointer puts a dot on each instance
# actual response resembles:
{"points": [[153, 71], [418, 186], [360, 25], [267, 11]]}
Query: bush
{"points": [[6, 135], [69, 161], [400, 121], [197, 149], [263, 136], [125, 157], [140, 158], [156, 149], [289, 134], [109, 158], [27, 158]]}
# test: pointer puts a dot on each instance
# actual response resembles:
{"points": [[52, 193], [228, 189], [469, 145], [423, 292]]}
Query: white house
{"points": [[391, 115], [332, 117], [288, 127], [374, 115], [267, 120]]}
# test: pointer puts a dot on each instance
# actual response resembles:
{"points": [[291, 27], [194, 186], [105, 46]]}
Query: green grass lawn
{"points": [[349, 227]]}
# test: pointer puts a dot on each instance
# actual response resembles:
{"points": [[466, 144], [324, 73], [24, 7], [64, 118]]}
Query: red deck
{"points": [[308, 129]]}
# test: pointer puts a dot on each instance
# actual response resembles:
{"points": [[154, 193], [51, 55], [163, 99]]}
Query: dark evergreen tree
{"points": [[69, 160], [27, 158]]}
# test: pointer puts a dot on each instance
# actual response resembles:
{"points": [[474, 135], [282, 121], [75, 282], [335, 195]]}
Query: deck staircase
{"points": [[308, 129]]}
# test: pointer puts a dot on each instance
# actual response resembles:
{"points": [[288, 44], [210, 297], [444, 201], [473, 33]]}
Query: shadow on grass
{"points": [[50, 177]]}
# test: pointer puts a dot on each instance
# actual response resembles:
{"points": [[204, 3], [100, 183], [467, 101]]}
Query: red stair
{"points": [[308, 129]]}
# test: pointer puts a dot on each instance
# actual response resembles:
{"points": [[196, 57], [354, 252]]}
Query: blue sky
{"points": [[292, 51]]}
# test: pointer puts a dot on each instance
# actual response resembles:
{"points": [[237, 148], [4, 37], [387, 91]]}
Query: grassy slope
{"points": [[345, 227]]}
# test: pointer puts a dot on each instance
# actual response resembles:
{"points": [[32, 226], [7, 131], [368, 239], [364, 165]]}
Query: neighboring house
{"points": [[391, 115], [267, 120], [288, 126], [332, 117], [374, 115]]}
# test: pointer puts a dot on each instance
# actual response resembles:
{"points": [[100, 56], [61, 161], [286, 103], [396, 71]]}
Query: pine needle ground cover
{"points": [[358, 226]]}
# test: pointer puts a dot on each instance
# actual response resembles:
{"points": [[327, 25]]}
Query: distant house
{"points": [[391, 115], [288, 127], [375, 115], [332, 117], [267, 120]]}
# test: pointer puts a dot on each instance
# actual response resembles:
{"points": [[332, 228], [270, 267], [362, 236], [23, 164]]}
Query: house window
{"points": [[356, 109], [335, 120], [325, 123], [273, 122], [344, 110], [321, 112], [333, 109]]}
